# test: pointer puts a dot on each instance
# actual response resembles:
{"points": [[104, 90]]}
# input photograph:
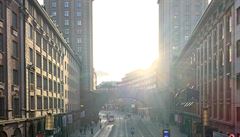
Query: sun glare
{"points": [[124, 40]]}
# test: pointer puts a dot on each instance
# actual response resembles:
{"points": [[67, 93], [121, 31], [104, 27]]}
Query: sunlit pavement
{"points": [[142, 128], [155, 129]]}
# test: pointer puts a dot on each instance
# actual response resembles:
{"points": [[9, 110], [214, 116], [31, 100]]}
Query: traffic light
{"points": [[205, 117]]}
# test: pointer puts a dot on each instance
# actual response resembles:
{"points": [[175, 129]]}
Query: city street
{"points": [[123, 126]]}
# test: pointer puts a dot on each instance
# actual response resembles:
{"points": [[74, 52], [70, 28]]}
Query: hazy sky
{"points": [[125, 36]]}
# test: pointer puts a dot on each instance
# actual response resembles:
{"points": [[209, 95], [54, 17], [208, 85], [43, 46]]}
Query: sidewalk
{"points": [[96, 129], [156, 129]]}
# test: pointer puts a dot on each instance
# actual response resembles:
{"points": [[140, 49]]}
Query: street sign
{"points": [[166, 133]]}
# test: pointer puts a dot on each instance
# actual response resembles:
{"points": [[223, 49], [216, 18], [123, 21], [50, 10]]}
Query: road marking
{"points": [[125, 123]]}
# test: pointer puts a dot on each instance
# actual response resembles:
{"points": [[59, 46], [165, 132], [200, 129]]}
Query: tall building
{"points": [[74, 19], [177, 20], [209, 73], [39, 73]]}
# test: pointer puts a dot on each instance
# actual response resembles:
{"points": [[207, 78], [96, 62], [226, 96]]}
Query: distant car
{"points": [[111, 118]]}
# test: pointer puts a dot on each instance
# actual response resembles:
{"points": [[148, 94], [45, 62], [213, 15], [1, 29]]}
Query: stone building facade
{"points": [[39, 72], [74, 19], [207, 71]]}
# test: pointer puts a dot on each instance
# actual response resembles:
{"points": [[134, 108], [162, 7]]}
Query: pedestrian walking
{"points": [[92, 130], [132, 131]]}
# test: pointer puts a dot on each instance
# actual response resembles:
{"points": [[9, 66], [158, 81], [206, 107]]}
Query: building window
{"points": [[62, 88], [66, 31], [50, 50], [39, 82], [238, 48], [238, 15], [31, 54], [79, 22], [58, 72], [39, 102], [38, 39], [238, 114], [59, 87], [44, 64], [57, 57], [66, 4], [79, 40], [45, 83], [14, 20], [61, 75], [229, 21], [66, 22], [16, 106], [54, 13], [66, 13], [30, 31], [1, 42], [50, 67], [2, 106], [59, 103], [54, 54], [1, 10], [62, 103], [50, 103], [45, 27], [15, 49], [50, 85], [45, 45], [32, 101], [39, 20], [54, 70], [78, 4], [1, 74], [45, 103], [78, 13], [55, 103], [15, 77], [31, 77], [54, 4], [39, 61], [55, 86]]}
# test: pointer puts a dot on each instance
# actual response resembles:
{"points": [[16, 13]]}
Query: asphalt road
{"points": [[122, 127]]}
